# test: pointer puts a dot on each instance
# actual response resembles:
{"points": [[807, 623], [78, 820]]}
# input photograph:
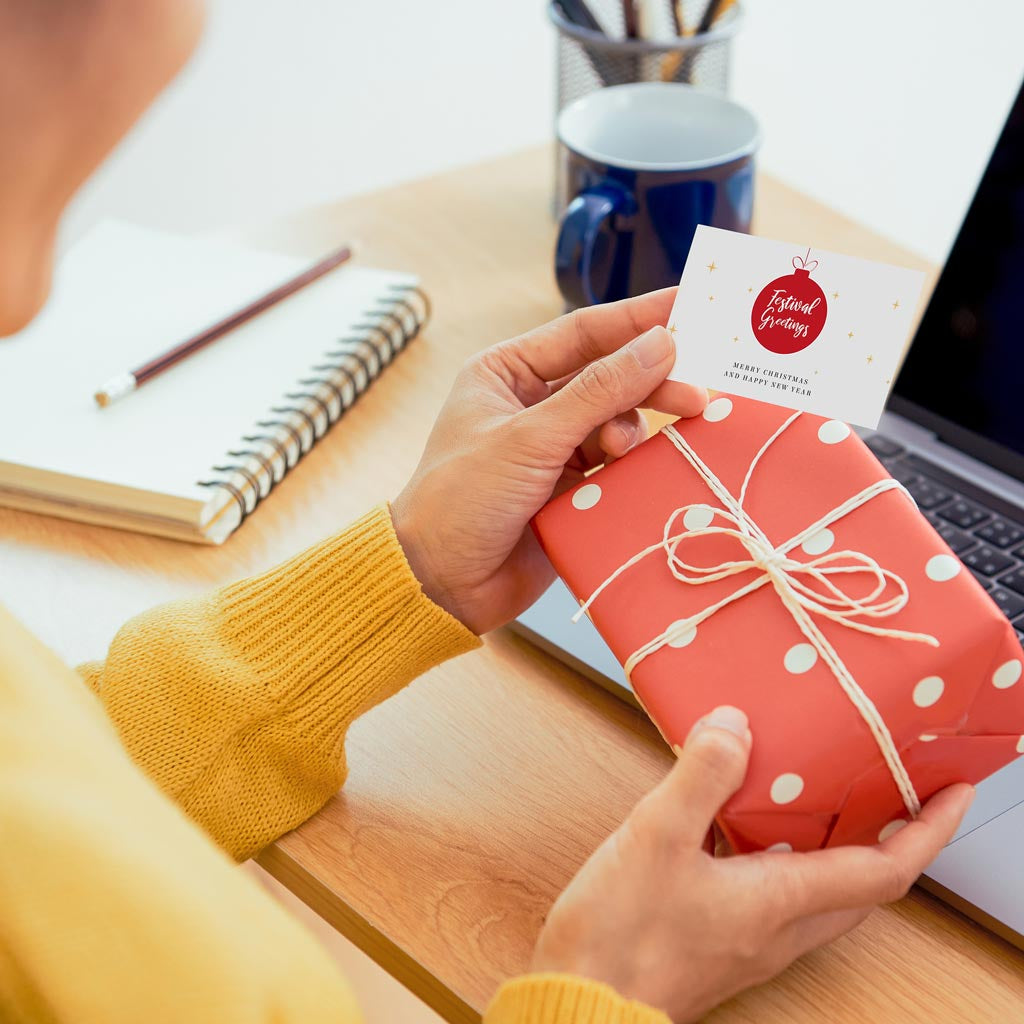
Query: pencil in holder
{"points": [[589, 59]]}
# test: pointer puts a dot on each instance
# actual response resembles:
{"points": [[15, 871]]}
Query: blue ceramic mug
{"points": [[641, 166]]}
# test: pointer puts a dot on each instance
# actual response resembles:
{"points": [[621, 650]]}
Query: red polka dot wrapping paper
{"points": [[817, 776]]}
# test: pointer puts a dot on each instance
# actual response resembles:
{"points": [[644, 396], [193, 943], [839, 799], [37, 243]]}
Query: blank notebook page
{"points": [[125, 294]]}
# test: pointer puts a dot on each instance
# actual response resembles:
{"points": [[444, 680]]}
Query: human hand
{"points": [[658, 918], [524, 421]]}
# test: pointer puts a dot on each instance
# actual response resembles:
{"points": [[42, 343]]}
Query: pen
{"points": [[125, 383], [714, 10], [676, 9], [629, 19], [580, 14]]}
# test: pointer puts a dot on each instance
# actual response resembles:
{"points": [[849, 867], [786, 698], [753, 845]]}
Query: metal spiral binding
{"points": [[358, 356], [312, 396], [393, 332]]}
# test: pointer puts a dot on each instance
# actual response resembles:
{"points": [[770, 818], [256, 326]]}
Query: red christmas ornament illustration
{"points": [[789, 312]]}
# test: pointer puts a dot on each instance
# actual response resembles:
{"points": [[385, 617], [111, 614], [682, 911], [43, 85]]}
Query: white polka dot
{"points": [[786, 788], [942, 567], [891, 829], [1020, 745], [684, 638], [718, 409], [833, 431], [586, 497], [698, 518], [819, 543], [927, 737], [800, 658], [1007, 674], [928, 691], [779, 848]]}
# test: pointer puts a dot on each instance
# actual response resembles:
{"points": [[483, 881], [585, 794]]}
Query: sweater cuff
{"points": [[351, 600], [566, 999]]}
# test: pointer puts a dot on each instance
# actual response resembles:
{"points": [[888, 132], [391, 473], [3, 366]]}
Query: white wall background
{"points": [[886, 110]]}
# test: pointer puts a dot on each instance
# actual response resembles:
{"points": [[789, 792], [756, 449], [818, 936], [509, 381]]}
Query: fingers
{"points": [[570, 342], [848, 877], [711, 767], [671, 396], [621, 434], [678, 399], [610, 441], [916, 845], [603, 390]]}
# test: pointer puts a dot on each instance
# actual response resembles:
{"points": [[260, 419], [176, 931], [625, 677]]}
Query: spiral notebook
{"points": [[194, 452]]}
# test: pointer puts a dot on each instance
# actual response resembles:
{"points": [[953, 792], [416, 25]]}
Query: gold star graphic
{"points": [[850, 335], [671, 328], [815, 372], [711, 298], [835, 295], [712, 267], [735, 339], [871, 359], [889, 380], [750, 289], [896, 304]]}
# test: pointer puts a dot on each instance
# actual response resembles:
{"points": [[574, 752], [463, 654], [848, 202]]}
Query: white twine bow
{"points": [[782, 571]]}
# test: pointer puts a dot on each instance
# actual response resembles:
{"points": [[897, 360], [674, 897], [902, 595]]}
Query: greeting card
{"points": [[792, 325]]}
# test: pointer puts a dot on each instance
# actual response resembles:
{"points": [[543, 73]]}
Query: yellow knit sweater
{"points": [[116, 904]]}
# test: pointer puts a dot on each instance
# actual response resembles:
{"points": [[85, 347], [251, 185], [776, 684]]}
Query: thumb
{"points": [[605, 388], [711, 768]]}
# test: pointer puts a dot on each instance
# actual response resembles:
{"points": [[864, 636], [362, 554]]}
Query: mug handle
{"points": [[581, 224]]}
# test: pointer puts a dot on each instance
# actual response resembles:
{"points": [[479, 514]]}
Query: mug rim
{"points": [[680, 89]]}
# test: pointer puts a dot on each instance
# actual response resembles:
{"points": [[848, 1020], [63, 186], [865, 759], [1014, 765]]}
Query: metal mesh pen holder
{"points": [[588, 60]]}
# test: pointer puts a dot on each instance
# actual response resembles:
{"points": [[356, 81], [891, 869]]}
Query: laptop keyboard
{"points": [[975, 524]]}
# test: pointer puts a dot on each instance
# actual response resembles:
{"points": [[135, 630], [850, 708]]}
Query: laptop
{"points": [[953, 434]]}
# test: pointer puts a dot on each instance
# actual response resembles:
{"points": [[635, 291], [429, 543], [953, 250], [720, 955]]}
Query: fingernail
{"points": [[651, 348], [725, 717], [630, 434]]}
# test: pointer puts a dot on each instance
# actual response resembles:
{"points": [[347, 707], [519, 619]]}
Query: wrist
{"points": [[417, 553]]}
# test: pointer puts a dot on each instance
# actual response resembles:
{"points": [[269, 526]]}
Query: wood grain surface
{"points": [[475, 794]]}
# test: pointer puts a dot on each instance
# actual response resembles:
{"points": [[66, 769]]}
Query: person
{"points": [[129, 789]]}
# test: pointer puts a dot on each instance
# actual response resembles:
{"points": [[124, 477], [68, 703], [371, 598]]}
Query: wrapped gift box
{"points": [[954, 709]]}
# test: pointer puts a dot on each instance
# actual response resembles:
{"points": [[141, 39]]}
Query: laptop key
{"points": [[987, 560], [883, 447], [963, 514], [1010, 604], [903, 472], [1014, 580], [987, 583], [926, 494], [1000, 532], [956, 539]]}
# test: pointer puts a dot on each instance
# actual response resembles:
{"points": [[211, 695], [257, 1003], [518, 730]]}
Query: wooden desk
{"points": [[475, 795]]}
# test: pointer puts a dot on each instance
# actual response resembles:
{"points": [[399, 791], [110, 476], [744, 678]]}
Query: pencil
{"points": [[672, 62], [125, 383]]}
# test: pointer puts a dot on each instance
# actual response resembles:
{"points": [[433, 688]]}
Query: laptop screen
{"points": [[964, 374]]}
